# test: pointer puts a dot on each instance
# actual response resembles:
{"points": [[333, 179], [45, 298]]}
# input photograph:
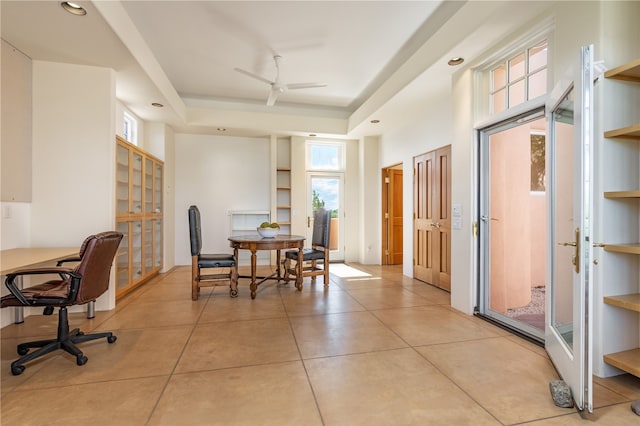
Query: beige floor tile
{"points": [[434, 294], [136, 353], [221, 307], [511, 382], [616, 415], [276, 395], [344, 333], [387, 297], [146, 314], [310, 302], [9, 354], [425, 325], [239, 343], [126, 402], [396, 387], [625, 384]]}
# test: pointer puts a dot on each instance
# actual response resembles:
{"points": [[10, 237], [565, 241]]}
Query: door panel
{"points": [[432, 217], [568, 325], [395, 217]]}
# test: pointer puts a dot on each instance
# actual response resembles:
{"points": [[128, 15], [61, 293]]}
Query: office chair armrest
{"points": [[75, 258], [15, 291]]}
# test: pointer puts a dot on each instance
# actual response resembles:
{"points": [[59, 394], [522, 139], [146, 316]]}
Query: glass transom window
{"points": [[325, 156], [521, 77]]}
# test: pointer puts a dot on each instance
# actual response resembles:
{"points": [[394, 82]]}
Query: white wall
{"points": [[73, 156], [218, 174]]}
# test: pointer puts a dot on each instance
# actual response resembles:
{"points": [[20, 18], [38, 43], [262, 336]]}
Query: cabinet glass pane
{"points": [[136, 250], [136, 177], [147, 239], [148, 185], [158, 189], [122, 179], [157, 241], [122, 258]]}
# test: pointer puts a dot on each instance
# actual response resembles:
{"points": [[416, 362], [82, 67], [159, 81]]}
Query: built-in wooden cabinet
{"points": [[138, 216], [623, 213]]}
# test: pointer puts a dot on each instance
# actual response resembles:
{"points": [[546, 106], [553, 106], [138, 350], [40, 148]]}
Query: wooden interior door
{"points": [[392, 220], [432, 218]]}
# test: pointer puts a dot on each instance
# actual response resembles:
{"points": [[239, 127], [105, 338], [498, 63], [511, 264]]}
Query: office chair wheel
{"points": [[48, 310], [81, 359], [22, 350], [17, 370], [112, 339]]}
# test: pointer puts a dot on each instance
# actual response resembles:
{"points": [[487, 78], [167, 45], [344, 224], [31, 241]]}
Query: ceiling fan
{"points": [[277, 87]]}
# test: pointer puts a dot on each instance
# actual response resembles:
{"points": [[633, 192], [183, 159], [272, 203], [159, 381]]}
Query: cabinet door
{"points": [[157, 243], [122, 179], [147, 245], [136, 250], [136, 183], [148, 185], [157, 188], [123, 272]]}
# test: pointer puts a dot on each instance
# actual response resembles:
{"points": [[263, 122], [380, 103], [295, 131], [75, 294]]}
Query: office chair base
{"points": [[66, 341]]}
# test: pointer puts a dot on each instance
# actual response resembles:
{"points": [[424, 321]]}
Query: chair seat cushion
{"points": [[216, 261], [44, 293], [307, 254]]}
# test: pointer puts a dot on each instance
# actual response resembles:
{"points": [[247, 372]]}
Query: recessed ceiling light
{"points": [[221, 129], [73, 8], [312, 134], [157, 104], [375, 121], [455, 61]]}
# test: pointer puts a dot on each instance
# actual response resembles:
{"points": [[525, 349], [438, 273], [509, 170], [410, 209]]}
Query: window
{"points": [[521, 77], [130, 130], [325, 156]]}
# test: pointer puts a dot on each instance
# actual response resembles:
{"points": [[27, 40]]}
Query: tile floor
{"points": [[374, 348]]}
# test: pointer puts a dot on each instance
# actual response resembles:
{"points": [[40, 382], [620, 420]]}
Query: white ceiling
{"points": [[183, 54]]}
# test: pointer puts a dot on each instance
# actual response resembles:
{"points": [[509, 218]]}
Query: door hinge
{"points": [[386, 215], [386, 179], [386, 252]]}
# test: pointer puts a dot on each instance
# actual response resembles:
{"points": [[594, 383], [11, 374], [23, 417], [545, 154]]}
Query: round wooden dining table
{"points": [[255, 242]]}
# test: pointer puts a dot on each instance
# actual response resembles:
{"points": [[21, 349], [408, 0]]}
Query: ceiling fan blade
{"points": [[304, 85], [252, 75], [273, 95]]}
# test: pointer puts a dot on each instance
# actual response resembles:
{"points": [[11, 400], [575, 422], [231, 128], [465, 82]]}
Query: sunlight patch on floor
{"points": [[344, 271]]}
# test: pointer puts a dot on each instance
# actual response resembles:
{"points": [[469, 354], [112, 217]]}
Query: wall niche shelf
{"points": [[627, 359]]}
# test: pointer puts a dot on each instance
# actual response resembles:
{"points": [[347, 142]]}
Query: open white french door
{"points": [[326, 189], [568, 321]]}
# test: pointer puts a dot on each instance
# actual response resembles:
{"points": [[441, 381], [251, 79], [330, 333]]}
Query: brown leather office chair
{"points": [[201, 261], [319, 251], [74, 286]]}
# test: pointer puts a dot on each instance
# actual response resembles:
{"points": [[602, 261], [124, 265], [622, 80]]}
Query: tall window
{"points": [[520, 78], [130, 131]]}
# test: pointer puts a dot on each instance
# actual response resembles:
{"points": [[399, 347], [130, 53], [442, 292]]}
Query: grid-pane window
{"points": [[519, 78]]}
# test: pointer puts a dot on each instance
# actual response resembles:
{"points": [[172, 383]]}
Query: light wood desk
{"points": [[19, 258]]}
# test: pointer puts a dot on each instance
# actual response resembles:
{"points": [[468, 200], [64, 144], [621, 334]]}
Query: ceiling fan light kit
{"points": [[278, 87]]}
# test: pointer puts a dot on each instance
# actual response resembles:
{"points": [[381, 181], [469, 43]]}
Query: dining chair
{"points": [[319, 251], [215, 262]]}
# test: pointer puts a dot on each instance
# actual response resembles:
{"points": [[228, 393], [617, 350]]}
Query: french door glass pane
{"points": [[563, 227]]}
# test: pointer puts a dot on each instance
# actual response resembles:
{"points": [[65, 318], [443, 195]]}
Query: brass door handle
{"points": [[435, 225], [575, 259]]}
